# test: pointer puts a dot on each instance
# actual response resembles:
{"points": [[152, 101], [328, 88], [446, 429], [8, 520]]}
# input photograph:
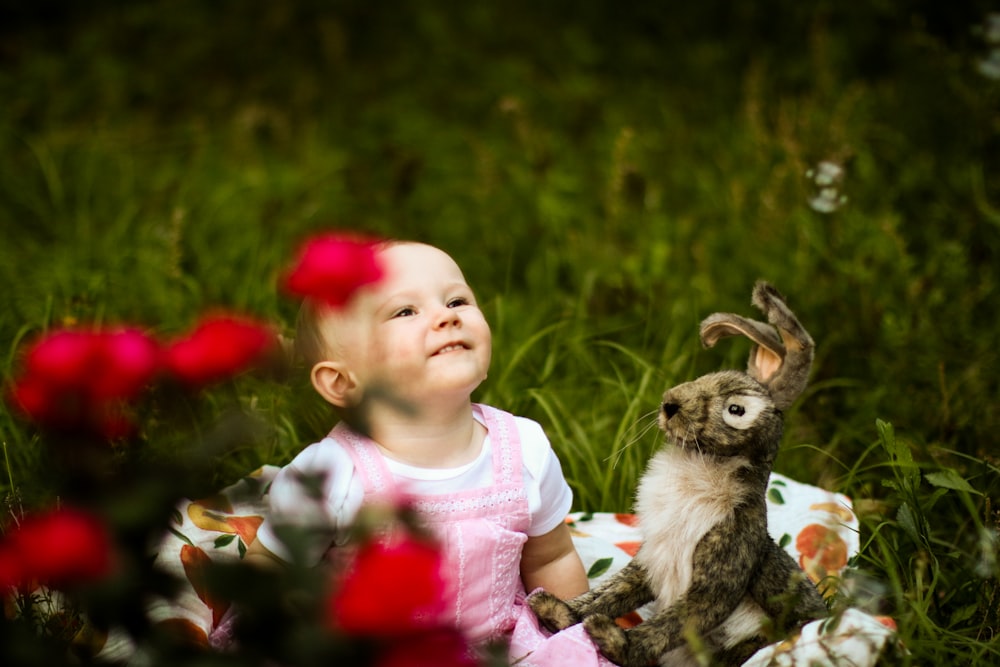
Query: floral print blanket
{"points": [[818, 528]]}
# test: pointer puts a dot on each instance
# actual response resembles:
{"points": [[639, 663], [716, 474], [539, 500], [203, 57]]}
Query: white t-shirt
{"points": [[334, 497]]}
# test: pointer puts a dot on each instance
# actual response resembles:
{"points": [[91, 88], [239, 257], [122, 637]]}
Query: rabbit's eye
{"points": [[740, 412]]}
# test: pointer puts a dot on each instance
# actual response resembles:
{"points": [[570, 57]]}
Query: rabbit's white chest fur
{"points": [[681, 497]]}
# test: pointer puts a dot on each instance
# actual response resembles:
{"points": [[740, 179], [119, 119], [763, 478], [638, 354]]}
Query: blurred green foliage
{"points": [[607, 174]]}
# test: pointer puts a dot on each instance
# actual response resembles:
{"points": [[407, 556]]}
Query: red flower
{"points": [[61, 547], [64, 359], [332, 267], [79, 379], [10, 568], [219, 347], [443, 648], [391, 589], [129, 360]]}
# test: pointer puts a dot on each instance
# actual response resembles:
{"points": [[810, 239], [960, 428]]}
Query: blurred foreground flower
{"points": [[59, 548], [441, 648], [332, 267], [219, 347], [392, 588], [81, 379]]}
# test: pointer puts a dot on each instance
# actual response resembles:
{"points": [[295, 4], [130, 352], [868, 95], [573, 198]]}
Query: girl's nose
{"points": [[448, 317]]}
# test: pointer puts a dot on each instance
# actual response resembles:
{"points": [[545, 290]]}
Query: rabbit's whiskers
{"points": [[690, 434], [640, 427]]}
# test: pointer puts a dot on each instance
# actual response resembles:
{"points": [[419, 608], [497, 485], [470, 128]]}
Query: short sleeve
{"points": [[318, 490], [549, 496]]}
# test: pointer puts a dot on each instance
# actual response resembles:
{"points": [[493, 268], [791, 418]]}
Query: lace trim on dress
{"points": [[366, 455], [452, 504], [502, 423]]}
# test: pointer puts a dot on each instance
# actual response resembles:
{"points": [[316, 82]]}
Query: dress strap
{"points": [[506, 443], [370, 465], [368, 461]]}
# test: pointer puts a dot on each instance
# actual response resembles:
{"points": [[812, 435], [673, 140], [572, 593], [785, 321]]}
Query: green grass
{"points": [[607, 176]]}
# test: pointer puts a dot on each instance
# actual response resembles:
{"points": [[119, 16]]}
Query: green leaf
{"points": [[242, 548], [599, 567], [180, 535], [904, 468], [176, 517], [224, 540], [785, 540], [909, 523], [950, 479], [775, 496], [963, 614]]}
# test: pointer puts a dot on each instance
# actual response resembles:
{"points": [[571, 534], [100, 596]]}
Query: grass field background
{"points": [[606, 174]]}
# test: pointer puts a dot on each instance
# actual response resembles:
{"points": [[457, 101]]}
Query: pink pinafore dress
{"points": [[483, 531]]}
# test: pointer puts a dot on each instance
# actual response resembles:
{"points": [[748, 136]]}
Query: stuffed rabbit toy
{"points": [[717, 577]]}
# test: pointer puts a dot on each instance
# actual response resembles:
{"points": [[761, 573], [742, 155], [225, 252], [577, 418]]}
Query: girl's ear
{"points": [[335, 383]]}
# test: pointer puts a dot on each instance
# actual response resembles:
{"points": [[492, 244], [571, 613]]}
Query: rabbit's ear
{"points": [[780, 364], [768, 352]]}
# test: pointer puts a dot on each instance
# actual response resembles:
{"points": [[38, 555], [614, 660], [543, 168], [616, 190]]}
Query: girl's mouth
{"points": [[450, 348]]}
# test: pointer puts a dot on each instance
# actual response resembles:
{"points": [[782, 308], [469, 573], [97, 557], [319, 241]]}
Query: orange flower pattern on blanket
{"points": [[887, 621], [836, 509], [629, 620], [196, 562], [214, 513], [821, 551], [631, 548], [186, 631]]}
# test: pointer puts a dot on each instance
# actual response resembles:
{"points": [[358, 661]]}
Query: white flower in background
{"points": [[991, 33], [989, 66], [827, 177]]}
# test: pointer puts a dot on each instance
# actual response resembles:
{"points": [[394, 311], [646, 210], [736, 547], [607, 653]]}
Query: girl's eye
{"points": [[459, 301], [405, 312]]}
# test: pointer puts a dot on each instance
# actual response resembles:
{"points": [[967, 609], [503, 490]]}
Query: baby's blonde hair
{"points": [[310, 346]]}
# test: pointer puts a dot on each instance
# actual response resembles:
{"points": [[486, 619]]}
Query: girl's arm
{"points": [[550, 561]]}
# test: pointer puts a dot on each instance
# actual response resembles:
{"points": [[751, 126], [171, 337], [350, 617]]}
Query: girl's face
{"points": [[418, 334]]}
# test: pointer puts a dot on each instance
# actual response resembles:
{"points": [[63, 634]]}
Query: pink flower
{"points": [[220, 347], [61, 547], [332, 267], [392, 588]]}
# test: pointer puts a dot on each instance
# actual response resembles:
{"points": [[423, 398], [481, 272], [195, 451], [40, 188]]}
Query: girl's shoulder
{"points": [[328, 451], [527, 428], [536, 450]]}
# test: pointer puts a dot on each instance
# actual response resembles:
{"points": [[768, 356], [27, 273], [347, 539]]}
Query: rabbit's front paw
{"points": [[553, 613], [609, 638]]}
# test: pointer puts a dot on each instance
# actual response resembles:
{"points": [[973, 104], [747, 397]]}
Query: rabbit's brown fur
{"points": [[707, 559]]}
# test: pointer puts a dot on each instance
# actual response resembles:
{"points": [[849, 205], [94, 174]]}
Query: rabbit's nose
{"points": [[670, 409]]}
